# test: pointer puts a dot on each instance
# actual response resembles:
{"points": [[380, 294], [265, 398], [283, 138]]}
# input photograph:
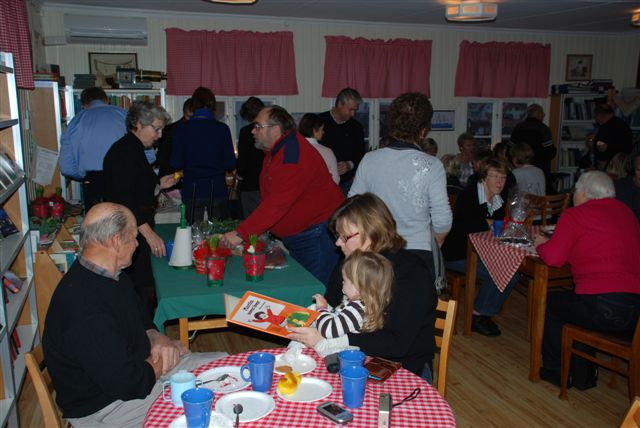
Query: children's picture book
{"points": [[267, 314]]}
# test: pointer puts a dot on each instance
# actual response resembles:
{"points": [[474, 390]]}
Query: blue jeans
{"points": [[315, 250], [489, 299]]}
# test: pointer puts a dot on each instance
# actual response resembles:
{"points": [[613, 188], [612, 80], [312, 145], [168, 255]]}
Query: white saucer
{"points": [[233, 383], [255, 405], [301, 365], [310, 389], [217, 420]]}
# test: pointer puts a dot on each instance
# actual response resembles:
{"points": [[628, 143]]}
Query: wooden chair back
{"points": [[632, 419], [42, 384], [547, 207], [611, 344], [445, 316]]}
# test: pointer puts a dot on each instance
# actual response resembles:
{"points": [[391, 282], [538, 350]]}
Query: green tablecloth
{"points": [[185, 294]]}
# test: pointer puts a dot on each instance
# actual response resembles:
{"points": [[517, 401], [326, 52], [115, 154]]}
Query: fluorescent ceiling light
{"points": [[471, 11]]}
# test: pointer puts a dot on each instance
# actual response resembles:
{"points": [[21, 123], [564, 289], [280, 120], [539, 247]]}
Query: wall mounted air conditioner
{"points": [[105, 29]]}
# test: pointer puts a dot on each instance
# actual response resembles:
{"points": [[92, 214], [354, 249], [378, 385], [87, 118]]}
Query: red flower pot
{"points": [[254, 266]]}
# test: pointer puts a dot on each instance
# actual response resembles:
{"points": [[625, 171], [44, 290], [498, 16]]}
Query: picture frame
{"points": [[578, 68], [105, 64], [443, 120]]}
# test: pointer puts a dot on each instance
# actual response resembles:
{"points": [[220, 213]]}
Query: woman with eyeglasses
{"points": [[363, 222], [476, 208], [130, 180]]}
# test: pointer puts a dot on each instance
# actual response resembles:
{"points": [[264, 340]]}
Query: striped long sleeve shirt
{"points": [[348, 317]]}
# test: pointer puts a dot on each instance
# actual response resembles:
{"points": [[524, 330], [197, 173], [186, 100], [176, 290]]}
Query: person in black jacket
{"points": [[476, 208], [130, 181], [344, 135], [249, 163], [538, 135], [363, 222]]}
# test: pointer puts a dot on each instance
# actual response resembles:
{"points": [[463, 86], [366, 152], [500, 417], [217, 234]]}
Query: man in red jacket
{"points": [[297, 195]]}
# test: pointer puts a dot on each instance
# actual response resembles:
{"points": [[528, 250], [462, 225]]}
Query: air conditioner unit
{"points": [[105, 29]]}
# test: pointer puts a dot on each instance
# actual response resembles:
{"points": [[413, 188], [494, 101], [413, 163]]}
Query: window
{"points": [[491, 121], [372, 115]]}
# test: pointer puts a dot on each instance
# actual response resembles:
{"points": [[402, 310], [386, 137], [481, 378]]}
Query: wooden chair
{"points": [[632, 420], [614, 345], [547, 207], [39, 374], [446, 314]]}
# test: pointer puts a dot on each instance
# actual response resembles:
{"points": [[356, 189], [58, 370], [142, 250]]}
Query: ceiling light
{"points": [[471, 11], [635, 18]]}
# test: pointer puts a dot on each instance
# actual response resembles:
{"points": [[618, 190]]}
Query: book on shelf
{"points": [[63, 261], [6, 224], [11, 282], [267, 314]]}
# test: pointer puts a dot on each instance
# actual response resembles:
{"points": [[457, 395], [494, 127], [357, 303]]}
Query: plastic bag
{"points": [[515, 231]]}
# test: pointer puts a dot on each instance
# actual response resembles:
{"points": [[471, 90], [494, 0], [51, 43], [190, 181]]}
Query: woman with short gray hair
{"points": [[131, 181], [600, 239]]}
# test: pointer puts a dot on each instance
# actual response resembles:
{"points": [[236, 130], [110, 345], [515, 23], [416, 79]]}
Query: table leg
{"points": [[184, 331], [539, 306], [470, 287]]}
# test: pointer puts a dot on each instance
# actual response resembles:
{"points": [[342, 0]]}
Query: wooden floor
{"points": [[487, 383]]}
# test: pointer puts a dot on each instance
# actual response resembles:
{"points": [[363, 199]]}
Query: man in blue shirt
{"points": [[87, 139]]}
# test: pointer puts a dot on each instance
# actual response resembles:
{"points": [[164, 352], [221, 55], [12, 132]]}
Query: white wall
{"points": [[614, 56]]}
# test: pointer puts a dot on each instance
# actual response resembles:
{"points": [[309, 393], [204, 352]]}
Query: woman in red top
{"points": [[600, 239]]}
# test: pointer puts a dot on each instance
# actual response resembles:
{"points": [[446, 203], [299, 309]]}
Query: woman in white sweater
{"points": [[312, 128]]}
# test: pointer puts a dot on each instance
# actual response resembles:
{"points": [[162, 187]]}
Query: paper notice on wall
{"points": [[43, 165]]}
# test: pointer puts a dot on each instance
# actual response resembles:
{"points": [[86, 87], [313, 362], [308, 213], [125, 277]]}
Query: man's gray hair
{"points": [[145, 112], [101, 232], [596, 185], [348, 94]]}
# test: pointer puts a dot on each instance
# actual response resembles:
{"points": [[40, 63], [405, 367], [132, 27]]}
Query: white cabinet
{"points": [[18, 312]]}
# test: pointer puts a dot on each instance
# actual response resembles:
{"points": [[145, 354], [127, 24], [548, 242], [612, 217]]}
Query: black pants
{"points": [[141, 274], [92, 189], [610, 312]]}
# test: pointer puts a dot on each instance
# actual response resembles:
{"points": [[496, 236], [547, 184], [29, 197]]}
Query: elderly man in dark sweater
{"points": [[103, 353]]}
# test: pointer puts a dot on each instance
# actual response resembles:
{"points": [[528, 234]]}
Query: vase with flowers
{"points": [[254, 259]]}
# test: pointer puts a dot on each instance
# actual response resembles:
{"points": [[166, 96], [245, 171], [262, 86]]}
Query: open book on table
{"points": [[266, 314]]}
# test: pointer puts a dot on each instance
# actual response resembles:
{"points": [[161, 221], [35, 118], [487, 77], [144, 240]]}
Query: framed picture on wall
{"points": [[104, 65], [578, 67], [443, 120]]}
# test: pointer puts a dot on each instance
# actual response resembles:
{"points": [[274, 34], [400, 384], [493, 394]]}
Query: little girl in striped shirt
{"points": [[366, 288]]}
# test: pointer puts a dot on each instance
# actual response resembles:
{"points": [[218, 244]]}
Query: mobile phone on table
{"points": [[335, 413]]}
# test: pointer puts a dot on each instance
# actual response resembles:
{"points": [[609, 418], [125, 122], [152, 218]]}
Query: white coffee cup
{"points": [[179, 383]]}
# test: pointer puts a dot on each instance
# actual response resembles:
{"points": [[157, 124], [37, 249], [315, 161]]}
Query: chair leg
{"points": [[567, 347], [634, 374], [612, 382], [455, 287]]}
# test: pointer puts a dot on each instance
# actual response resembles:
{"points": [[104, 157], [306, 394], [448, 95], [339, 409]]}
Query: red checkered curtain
{"points": [[231, 62], [503, 70], [376, 68], [15, 38]]}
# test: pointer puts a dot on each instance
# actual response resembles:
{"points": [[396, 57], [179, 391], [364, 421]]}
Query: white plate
{"points": [[217, 420], [310, 389], [233, 383], [255, 405], [301, 365]]}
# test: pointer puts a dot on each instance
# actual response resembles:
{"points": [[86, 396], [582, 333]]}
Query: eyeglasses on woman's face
{"points": [[344, 239]]}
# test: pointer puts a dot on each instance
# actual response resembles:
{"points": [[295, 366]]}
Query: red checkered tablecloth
{"points": [[502, 260], [429, 409]]}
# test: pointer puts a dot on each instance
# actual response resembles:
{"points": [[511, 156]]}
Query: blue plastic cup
{"points": [[497, 227], [260, 371], [168, 249], [351, 357], [354, 381], [197, 407]]}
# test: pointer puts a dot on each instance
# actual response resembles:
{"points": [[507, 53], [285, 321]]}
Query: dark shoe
{"points": [[553, 377], [485, 326], [584, 373]]}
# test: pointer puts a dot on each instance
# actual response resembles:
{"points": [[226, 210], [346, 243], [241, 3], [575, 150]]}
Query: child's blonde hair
{"points": [[372, 275]]}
